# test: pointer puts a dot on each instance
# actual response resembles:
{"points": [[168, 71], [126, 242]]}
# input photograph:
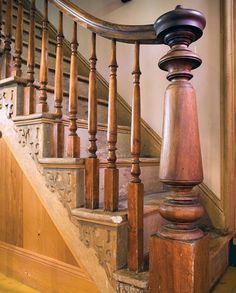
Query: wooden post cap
{"points": [[188, 24]]}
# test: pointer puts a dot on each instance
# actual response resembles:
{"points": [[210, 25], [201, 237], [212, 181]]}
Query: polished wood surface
{"points": [[58, 93], [11, 285], [18, 40], [73, 148], [179, 263], [92, 183], [24, 221], [145, 34], [92, 163], [29, 102], [135, 226], [228, 111], [43, 74], [180, 165], [11, 196], [43, 273], [92, 101], [7, 60], [111, 178], [136, 117], [135, 188]]}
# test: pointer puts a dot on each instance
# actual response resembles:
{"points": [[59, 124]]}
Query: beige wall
{"points": [[153, 83]]}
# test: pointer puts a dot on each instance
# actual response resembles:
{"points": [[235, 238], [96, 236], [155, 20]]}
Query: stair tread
{"points": [[151, 202], [73, 162]]}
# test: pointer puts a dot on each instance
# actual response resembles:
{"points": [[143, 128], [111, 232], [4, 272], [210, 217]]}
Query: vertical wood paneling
{"points": [[23, 220]]}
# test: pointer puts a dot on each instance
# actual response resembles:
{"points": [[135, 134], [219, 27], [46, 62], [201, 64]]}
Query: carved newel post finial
{"points": [[181, 162]]}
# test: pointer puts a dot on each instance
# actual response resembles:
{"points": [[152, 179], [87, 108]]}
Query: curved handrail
{"points": [[144, 34]]}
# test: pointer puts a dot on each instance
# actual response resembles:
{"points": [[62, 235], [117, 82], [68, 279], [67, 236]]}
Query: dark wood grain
{"points": [[180, 166], [145, 34]]}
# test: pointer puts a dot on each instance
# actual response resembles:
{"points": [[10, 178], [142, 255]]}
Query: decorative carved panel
{"points": [[28, 136], [61, 182]]}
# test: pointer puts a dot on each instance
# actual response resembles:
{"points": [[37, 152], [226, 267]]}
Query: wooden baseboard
{"points": [[43, 273], [219, 258]]}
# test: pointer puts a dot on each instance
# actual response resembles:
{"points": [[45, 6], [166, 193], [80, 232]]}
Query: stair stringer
{"points": [[84, 255]]}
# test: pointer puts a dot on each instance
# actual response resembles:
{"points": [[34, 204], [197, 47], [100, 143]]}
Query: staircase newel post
{"points": [[92, 163], [18, 40], [179, 252], [7, 56]]}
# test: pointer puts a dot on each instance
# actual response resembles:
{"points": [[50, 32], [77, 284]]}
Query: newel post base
{"points": [[178, 266]]}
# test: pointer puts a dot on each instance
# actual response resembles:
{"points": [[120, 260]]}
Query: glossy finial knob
{"points": [[180, 25]]}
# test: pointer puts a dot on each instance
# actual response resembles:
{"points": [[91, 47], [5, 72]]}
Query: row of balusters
{"points": [[111, 184]]}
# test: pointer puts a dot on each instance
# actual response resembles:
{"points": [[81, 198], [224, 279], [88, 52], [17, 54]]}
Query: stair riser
{"points": [[123, 143], [149, 176]]}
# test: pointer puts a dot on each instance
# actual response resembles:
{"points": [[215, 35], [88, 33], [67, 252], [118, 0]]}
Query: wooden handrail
{"points": [[144, 34]]}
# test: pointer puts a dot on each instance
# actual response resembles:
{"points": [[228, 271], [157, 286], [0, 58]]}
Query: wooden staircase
{"points": [[58, 116]]}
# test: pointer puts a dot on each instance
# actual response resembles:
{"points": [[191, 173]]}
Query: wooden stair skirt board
{"points": [[43, 273]]}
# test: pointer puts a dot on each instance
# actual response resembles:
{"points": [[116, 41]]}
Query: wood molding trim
{"points": [[228, 111], [213, 206], [41, 272]]}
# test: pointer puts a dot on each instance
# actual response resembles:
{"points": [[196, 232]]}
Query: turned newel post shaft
{"points": [[181, 164]]}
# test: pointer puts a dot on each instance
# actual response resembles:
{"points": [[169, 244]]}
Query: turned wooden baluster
{"points": [[30, 89], [7, 60], [73, 147], [135, 188], [180, 247], [111, 180], [42, 106], [0, 26], [18, 40], [58, 94], [92, 163]]}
